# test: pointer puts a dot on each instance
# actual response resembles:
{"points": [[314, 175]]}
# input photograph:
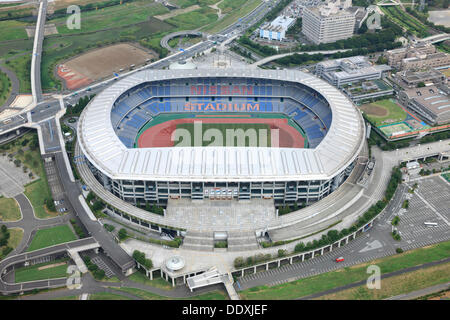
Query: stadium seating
{"points": [[139, 105]]}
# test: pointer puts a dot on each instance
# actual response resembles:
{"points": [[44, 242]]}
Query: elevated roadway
{"points": [[36, 87], [282, 55], [9, 264]]}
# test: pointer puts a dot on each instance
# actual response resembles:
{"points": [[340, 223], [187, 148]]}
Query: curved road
{"points": [[15, 87], [165, 40], [29, 223]]}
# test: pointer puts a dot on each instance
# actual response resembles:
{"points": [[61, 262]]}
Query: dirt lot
{"points": [[374, 110], [101, 63]]}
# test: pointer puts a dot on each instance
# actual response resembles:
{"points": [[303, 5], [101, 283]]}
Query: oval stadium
{"points": [[234, 136]]}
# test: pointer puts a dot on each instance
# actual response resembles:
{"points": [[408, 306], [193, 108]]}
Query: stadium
{"points": [[312, 135]]}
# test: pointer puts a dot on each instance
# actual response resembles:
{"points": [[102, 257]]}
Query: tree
{"points": [[122, 234], [98, 205]]}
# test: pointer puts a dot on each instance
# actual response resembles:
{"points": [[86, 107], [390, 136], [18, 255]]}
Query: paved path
{"points": [[30, 224], [15, 86], [383, 276]]}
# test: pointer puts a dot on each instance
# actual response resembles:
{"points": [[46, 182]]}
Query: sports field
{"points": [[384, 112], [257, 130], [392, 119]]}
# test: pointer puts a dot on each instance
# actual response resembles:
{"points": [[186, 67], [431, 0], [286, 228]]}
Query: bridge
{"points": [[8, 265], [36, 87], [282, 55], [436, 38]]}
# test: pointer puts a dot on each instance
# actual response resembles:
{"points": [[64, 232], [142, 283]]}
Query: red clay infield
{"points": [[159, 136]]}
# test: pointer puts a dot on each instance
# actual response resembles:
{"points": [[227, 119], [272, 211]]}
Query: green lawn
{"points": [[395, 113], [140, 277], [15, 237], [194, 19], [9, 209], [37, 192], [51, 236], [214, 295], [113, 17], [15, 30], [232, 16], [5, 87], [107, 296], [406, 21], [21, 66], [397, 285], [341, 277], [58, 49], [32, 273]]}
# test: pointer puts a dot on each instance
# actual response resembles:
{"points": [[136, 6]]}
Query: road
{"points": [[36, 87]]}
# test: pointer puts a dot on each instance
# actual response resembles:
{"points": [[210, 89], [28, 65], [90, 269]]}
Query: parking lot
{"points": [[430, 203]]}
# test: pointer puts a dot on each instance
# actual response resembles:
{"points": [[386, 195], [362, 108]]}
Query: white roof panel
{"points": [[337, 150]]}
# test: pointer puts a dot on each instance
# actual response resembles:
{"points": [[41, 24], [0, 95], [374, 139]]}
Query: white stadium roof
{"points": [[335, 152]]}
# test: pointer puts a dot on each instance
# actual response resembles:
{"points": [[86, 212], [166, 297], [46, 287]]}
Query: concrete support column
{"points": [[303, 257], [151, 275], [312, 255], [173, 282], [321, 252], [254, 269], [331, 248], [242, 272], [184, 279], [279, 263], [267, 266], [290, 260]]}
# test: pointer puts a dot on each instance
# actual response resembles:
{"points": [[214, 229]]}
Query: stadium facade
{"points": [[110, 124]]}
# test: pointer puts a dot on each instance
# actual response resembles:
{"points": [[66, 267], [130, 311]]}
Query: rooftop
{"points": [[337, 150]]}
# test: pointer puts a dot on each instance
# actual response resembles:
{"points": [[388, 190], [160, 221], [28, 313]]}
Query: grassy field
{"points": [[5, 87], [223, 127], [16, 30], [341, 277], [194, 19], [406, 21], [21, 66], [51, 236], [214, 295], [383, 112], [15, 237], [112, 17], [37, 272], [140, 277], [60, 48], [107, 296], [390, 287], [232, 16], [37, 192], [9, 210]]}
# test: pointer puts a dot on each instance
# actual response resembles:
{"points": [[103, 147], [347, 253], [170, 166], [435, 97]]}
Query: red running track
{"points": [[159, 136]]}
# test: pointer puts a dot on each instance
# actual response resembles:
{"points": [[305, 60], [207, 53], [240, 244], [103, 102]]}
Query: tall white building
{"points": [[329, 23]]}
